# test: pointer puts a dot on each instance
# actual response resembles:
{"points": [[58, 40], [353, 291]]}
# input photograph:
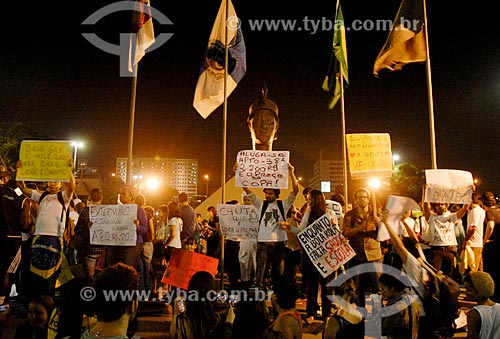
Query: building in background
{"points": [[327, 175], [86, 179], [181, 174]]}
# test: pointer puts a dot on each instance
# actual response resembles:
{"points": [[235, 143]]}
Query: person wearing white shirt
{"points": [[473, 243]]}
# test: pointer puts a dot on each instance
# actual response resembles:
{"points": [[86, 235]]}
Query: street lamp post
{"points": [[375, 184], [206, 177], [76, 144], [395, 158]]}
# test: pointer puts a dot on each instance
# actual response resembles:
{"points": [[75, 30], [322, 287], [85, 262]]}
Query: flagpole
{"points": [[344, 146], [342, 114], [224, 140], [429, 92], [131, 124]]}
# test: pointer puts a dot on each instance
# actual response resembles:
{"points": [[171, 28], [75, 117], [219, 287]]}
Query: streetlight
{"points": [[76, 144], [395, 158], [375, 184], [152, 184], [206, 177]]}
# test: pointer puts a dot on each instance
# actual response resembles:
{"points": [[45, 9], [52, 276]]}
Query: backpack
{"points": [[280, 207], [440, 303]]}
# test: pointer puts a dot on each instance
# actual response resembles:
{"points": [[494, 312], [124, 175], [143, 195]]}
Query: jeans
{"points": [[275, 253], [89, 262], [147, 257], [125, 254], [314, 280]]}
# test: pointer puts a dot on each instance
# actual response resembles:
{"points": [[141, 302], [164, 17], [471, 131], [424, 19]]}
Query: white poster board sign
{"points": [[325, 245], [238, 221], [396, 206], [265, 169], [451, 186], [113, 225]]}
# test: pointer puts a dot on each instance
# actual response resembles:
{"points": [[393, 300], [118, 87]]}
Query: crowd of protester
{"points": [[458, 241], [409, 281]]}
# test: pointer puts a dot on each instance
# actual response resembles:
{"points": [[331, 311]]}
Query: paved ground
{"points": [[154, 321]]}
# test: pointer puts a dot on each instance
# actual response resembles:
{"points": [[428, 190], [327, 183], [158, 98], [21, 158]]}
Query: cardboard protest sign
{"points": [[113, 225], [184, 264], [238, 221], [451, 186], [265, 169], [325, 245], [369, 155], [44, 161]]}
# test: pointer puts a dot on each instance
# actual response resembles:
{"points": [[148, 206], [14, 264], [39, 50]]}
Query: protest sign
{"points": [[265, 169], [238, 221], [184, 264], [325, 245], [451, 186], [336, 207], [44, 161], [113, 225], [369, 155], [396, 206]]}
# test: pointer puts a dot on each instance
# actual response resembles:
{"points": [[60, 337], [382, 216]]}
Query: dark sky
{"points": [[54, 79]]}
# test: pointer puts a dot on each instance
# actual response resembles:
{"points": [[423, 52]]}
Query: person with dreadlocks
{"points": [[201, 317]]}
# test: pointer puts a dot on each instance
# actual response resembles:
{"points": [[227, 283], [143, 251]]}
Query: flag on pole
{"points": [[406, 41], [143, 35], [331, 83], [209, 92]]}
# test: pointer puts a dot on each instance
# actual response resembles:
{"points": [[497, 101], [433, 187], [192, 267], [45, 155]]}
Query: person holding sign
{"points": [[360, 227], [271, 238], [47, 245], [316, 208], [439, 232], [263, 122], [129, 255]]}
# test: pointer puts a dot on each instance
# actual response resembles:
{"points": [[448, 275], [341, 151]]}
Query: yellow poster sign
{"points": [[369, 155], [44, 161]]}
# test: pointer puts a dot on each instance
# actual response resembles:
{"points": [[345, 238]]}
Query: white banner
{"points": [[451, 186], [325, 245], [265, 169], [113, 225], [238, 221], [396, 207]]}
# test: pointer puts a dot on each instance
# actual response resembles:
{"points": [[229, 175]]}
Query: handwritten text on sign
{"points": [[452, 186], [44, 160], [238, 221], [266, 169], [113, 225], [369, 155], [325, 245]]}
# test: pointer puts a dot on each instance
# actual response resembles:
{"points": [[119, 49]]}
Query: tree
{"points": [[11, 135], [407, 180]]}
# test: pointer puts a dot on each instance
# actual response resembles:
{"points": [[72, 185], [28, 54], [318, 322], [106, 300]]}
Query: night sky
{"points": [[55, 80]]}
